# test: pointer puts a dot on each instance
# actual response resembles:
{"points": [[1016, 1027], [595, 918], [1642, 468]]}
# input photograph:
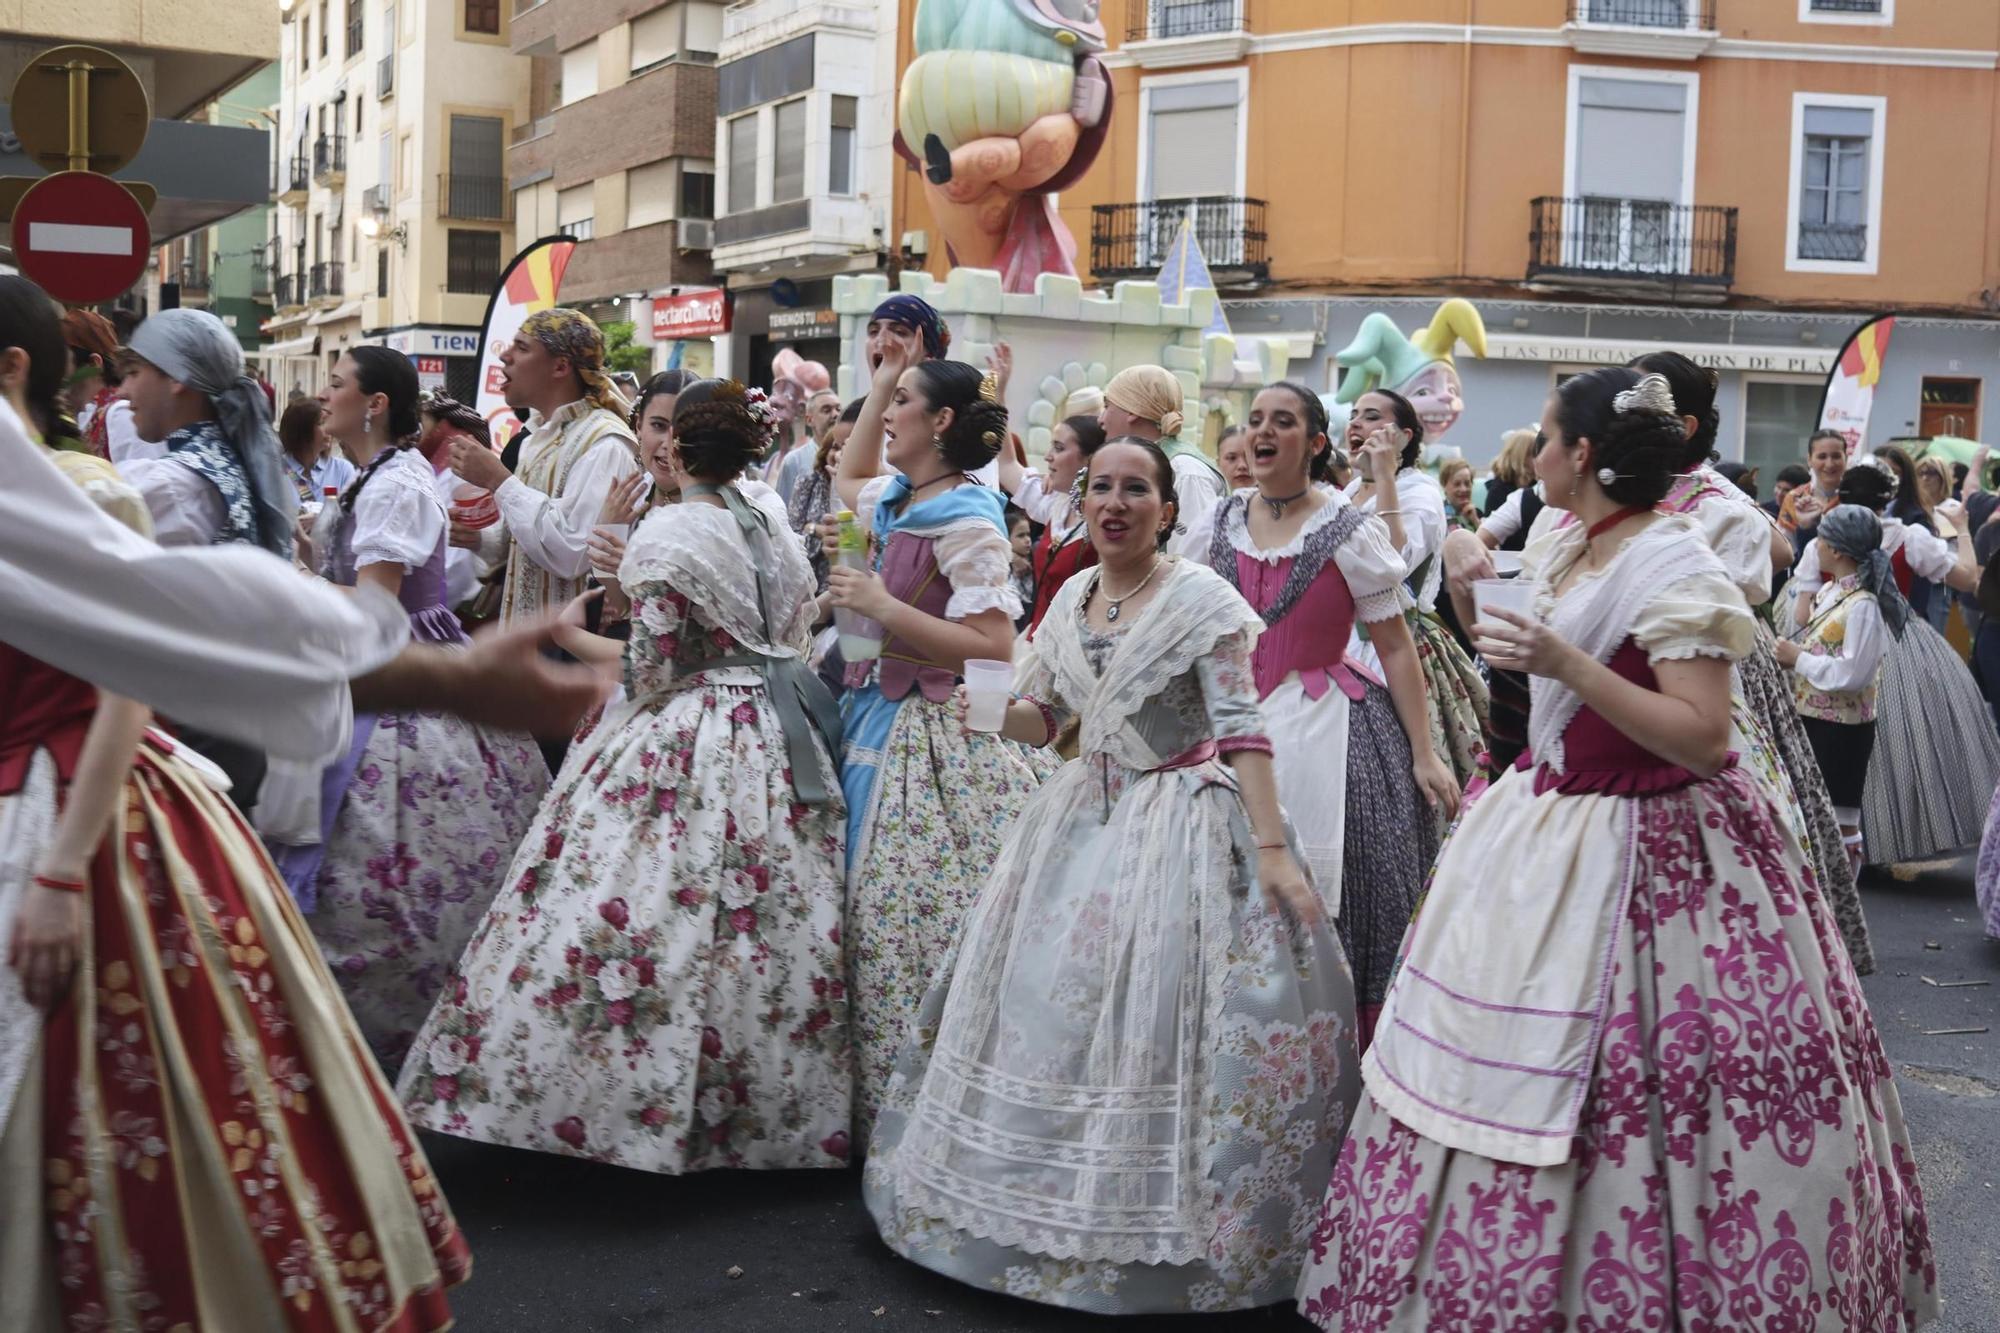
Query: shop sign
{"points": [[801, 325], [702, 314], [414, 343], [430, 373], [1617, 352]]}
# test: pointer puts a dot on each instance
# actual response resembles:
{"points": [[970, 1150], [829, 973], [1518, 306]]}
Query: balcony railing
{"points": [[467, 198], [1133, 240], [329, 157], [1159, 20], [1674, 15], [327, 281], [1604, 240], [296, 173], [194, 276], [288, 290], [1843, 242]]}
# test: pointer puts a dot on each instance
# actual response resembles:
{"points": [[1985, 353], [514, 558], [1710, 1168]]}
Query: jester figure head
{"points": [[1419, 368]]}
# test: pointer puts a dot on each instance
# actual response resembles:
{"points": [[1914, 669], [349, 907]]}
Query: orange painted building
{"points": [[1743, 176]]}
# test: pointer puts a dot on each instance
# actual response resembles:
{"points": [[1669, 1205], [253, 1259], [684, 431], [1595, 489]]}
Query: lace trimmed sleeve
{"points": [[1374, 573], [1740, 536], [1702, 615], [979, 563], [397, 519], [1229, 691]]}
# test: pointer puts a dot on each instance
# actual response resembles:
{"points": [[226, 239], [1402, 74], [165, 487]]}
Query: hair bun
{"points": [[1170, 425]]}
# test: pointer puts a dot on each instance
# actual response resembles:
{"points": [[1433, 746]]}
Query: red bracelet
{"points": [[60, 885], [1274, 847]]}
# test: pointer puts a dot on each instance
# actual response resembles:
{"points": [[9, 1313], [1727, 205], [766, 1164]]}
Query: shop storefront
{"points": [[799, 315], [446, 358], [685, 327]]}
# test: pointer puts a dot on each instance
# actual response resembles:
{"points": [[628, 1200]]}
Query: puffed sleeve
{"points": [[978, 561], [1702, 615], [660, 615], [864, 503], [1930, 556], [1229, 690], [1374, 572], [1035, 684], [397, 520], [1740, 536]]}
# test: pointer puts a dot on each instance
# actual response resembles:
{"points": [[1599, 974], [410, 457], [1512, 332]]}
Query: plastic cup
{"points": [[989, 687], [474, 506], [1506, 562], [1516, 595]]}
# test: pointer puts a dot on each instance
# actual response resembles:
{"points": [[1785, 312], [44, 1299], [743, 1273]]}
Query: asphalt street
{"points": [[568, 1247]]}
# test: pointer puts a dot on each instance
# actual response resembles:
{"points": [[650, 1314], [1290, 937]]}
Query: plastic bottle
{"points": [[860, 637], [324, 523]]}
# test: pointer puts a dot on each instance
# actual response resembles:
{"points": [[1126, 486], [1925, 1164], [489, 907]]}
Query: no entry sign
{"points": [[81, 236]]}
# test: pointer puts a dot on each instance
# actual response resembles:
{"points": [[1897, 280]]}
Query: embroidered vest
{"points": [[910, 571], [1827, 637], [530, 588]]}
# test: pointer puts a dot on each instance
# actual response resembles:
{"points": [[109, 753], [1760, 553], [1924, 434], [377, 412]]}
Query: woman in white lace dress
{"points": [[1124, 1094], [661, 984]]}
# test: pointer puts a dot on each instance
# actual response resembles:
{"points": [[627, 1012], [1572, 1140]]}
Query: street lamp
{"points": [[371, 227]]}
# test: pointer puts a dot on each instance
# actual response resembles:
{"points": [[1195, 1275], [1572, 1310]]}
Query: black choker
{"points": [[1277, 506]]}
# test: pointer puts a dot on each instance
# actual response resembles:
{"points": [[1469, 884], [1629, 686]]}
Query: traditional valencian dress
{"points": [[662, 984], [1834, 684], [929, 804], [569, 463], [1936, 762], [1653, 1097], [197, 1139], [1124, 1093], [422, 815], [1457, 696], [1343, 763]]}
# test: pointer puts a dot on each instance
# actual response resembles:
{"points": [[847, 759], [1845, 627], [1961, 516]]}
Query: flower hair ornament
{"points": [[989, 387], [756, 405]]}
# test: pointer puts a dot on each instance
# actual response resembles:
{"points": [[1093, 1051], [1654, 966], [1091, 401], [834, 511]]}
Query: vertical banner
{"points": [[1850, 385], [530, 283]]}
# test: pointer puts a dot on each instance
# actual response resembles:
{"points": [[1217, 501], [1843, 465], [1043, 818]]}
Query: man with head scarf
{"points": [[909, 322], [578, 446], [1146, 401], [222, 478]]}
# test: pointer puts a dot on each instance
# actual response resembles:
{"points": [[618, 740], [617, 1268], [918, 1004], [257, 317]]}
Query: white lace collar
{"points": [[1239, 525]]}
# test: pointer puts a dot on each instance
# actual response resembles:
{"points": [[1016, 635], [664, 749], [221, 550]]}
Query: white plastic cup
{"points": [[622, 531], [1516, 595], [1506, 562], [989, 687]]}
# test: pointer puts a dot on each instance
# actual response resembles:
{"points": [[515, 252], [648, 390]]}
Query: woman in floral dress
{"points": [[1655, 1099], [928, 803], [192, 1135], [419, 819], [662, 984], [1126, 1089]]}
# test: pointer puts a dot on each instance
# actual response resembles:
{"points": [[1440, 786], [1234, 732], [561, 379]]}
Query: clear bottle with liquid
{"points": [[324, 523], [860, 637]]}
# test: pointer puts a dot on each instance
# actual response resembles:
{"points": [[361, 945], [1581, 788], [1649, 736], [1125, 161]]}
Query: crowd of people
{"points": [[1303, 924]]}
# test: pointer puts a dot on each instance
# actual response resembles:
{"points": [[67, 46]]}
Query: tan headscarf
{"points": [[1150, 393]]}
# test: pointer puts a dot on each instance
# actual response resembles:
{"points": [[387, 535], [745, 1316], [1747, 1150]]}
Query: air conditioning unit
{"points": [[697, 234]]}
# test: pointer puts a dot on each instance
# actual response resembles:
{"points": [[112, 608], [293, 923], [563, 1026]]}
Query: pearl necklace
{"points": [[1113, 604]]}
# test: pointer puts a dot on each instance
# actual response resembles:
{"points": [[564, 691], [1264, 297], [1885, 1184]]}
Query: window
{"points": [[579, 73], [697, 194], [1836, 183], [483, 16], [359, 103], [1778, 415], [788, 170], [325, 26], [382, 271], [840, 146], [1949, 406], [476, 186], [656, 36], [471, 262], [743, 163], [1875, 12], [576, 211], [1630, 168], [1190, 138], [649, 194], [355, 28]]}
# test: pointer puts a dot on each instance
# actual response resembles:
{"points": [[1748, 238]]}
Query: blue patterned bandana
{"points": [[201, 448]]}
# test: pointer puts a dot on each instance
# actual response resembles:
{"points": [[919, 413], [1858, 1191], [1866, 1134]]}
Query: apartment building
{"points": [[618, 148], [394, 219], [805, 120], [1744, 179], [207, 164]]}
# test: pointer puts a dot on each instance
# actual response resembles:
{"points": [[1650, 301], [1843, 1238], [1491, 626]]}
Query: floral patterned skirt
{"points": [[929, 806], [661, 983], [201, 1140], [1741, 1160], [423, 837], [1457, 694], [1124, 1093]]}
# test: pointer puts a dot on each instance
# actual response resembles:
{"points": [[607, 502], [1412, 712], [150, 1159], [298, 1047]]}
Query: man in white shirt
{"points": [[236, 642], [578, 447]]}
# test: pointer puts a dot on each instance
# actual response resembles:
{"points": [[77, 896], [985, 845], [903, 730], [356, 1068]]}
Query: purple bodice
{"points": [[1311, 638], [911, 574], [1600, 759], [422, 594]]}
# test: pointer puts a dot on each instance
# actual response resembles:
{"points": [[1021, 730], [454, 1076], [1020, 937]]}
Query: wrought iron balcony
{"points": [[294, 177], [288, 290], [194, 275], [471, 198], [1133, 240], [1599, 241], [1843, 242], [1672, 15], [327, 282], [1161, 20], [1846, 6], [329, 159]]}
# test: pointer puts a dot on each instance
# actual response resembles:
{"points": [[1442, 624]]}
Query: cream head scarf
{"points": [[1150, 393]]}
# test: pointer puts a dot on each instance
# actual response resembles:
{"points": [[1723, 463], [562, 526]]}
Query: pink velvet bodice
{"points": [[1602, 760], [910, 571], [1312, 638]]}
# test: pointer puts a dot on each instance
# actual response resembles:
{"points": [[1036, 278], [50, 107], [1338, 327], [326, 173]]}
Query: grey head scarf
{"points": [[1855, 532], [197, 349]]}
